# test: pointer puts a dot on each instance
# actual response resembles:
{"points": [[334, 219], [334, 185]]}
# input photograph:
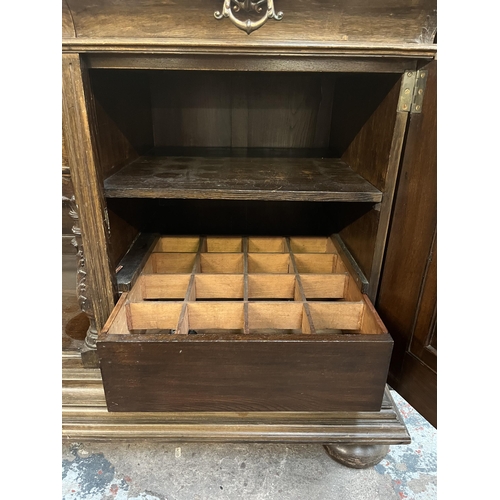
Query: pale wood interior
{"points": [[204, 285]]}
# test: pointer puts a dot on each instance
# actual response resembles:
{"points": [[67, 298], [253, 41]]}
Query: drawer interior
{"points": [[244, 324], [245, 285]]}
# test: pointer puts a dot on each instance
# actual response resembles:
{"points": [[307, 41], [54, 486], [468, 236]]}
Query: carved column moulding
{"points": [[259, 10], [89, 357]]}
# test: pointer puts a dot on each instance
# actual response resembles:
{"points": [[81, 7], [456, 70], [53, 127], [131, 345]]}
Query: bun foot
{"points": [[357, 456]]}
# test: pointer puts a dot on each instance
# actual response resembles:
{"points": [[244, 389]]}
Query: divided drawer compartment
{"points": [[244, 324]]}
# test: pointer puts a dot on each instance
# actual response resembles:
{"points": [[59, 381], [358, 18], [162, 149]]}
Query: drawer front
{"points": [[244, 324]]}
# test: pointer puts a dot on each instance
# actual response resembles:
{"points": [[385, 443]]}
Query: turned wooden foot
{"points": [[357, 456]]}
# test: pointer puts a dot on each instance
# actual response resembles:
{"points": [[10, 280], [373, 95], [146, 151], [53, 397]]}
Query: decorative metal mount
{"points": [[258, 6]]}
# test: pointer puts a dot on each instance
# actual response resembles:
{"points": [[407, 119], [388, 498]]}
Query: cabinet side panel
{"points": [[374, 152], [123, 117], [87, 182], [364, 115]]}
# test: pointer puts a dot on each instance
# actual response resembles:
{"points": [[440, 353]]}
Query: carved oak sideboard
{"points": [[234, 167]]}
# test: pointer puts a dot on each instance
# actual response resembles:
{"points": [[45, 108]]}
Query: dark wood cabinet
{"points": [[178, 124]]}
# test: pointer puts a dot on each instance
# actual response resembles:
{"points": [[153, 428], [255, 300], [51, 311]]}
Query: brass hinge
{"points": [[412, 91]]}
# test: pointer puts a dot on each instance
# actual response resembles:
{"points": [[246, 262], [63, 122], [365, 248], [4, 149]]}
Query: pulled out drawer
{"points": [[243, 324]]}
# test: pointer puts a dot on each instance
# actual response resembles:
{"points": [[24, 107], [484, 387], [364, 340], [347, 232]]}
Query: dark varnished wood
{"points": [[134, 260], [408, 253], [85, 416], [230, 109], [360, 237], [240, 179], [343, 59], [226, 217], [249, 373], [123, 117], [424, 340], [313, 24], [375, 154], [418, 383], [364, 140], [122, 234]]}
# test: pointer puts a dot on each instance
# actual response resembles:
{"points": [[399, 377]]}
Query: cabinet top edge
{"points": [[219, 47]]}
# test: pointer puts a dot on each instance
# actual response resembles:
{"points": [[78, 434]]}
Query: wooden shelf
{"points": [[236, 178]]}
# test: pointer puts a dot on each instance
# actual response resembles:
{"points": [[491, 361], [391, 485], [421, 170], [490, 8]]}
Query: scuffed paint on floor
{"points": [[92, 477], [413, 468], [190, 471]]}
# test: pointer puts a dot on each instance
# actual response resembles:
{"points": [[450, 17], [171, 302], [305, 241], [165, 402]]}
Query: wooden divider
{"points": [[247, 285]]}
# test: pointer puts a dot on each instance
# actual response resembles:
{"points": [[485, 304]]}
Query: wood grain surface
{"points": [[87, 183], [407, 297], [192, 373], [305, 24], [240, 179]]}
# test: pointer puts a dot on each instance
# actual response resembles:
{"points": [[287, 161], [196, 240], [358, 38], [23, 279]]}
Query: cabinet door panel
{"points": [[407, 295]]}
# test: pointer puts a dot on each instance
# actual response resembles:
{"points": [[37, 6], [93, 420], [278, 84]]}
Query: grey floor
{"points": [[188, 471]]}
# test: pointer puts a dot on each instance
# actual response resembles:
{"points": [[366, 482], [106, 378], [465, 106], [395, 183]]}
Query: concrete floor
{"points": [[188, 471]]}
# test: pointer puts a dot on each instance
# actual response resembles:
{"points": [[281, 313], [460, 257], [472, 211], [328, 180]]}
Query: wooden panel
{"points": [[259, 244], [275, 315], [67, 192], [173, 262], [418, 384], [316, 263], [85, 416], [196, 374], [268, 263], [68, 28], [360, 237], [413, 224], [159, 286], [153, 315], [122, 234], [281, 110], [292, 179], [191, 111], [424, 340], [340, 58], [402, 286], [271, 286], [134, 261], [216, 286], [88, 188], [336, 315], [363, 118], [215, 315], [177, 244], [375, 154], [222, 263], [123, 114], [320, 286], [224, 244], [315, 24], [241, 110]]}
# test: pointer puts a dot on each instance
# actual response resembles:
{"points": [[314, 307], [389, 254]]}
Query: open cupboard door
{"points": [[407, 296]]}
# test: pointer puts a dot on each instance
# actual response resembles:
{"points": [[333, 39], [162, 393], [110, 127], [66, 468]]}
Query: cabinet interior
{"points": [[249, 153]]}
